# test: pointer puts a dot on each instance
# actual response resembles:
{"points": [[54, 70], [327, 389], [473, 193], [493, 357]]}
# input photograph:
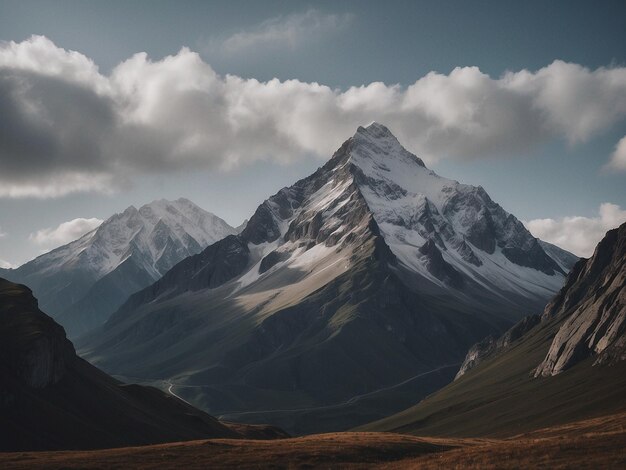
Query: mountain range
{"points": [[82, 283], [373, 295], [347, 296]]}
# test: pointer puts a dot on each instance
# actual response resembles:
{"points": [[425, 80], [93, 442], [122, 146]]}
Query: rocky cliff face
{"points": [[592, 305], [491, 346], [50, 399], [590, 309], [33, 348]]}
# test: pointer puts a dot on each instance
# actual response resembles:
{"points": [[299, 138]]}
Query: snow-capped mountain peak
{"points": [[377, 142], [158, 235], [125, 253], [438, 228], [414, 206]]}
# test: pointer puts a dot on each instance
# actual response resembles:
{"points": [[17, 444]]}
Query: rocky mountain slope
{"points": [[347, 295], [490, 346], [80, 284], [566, 365], [592, 306], [51, 399]]}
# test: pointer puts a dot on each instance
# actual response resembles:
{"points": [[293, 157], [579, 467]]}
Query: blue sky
{"points": [[539, 141]]}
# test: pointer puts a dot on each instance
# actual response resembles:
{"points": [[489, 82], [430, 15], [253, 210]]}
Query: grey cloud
{"points": [[52, 123], [51, 131]]}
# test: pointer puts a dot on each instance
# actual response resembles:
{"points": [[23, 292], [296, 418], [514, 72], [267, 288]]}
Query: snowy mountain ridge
{"points": [[81, 283], [413, 205], [437, 227], [150, 231]]}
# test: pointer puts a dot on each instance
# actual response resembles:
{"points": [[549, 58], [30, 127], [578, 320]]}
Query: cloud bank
{"points": [[580, 235], [49, 238], [65, 127]]}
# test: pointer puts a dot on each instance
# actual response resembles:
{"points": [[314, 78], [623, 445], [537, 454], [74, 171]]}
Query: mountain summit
{"points": [[83, 282], [347, 296], [412, 205]]}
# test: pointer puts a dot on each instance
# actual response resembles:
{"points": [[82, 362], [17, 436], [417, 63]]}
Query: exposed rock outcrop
{"points": [[33, 349], [593, 306], [490, 346], [568, 364], [50, 399]]}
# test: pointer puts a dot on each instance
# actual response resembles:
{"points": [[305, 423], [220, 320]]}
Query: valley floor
{"points": [[593, 443]]}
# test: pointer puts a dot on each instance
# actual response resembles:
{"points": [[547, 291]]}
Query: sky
{"points": [[109, 104]]}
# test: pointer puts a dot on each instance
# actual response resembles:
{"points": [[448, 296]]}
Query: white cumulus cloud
{"points": [[65, 127], [49, 238], [618, 157], [580, 235], [5, 264]]}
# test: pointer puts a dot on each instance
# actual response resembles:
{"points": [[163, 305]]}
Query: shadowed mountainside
{"points": [[51, 399], [567, 366]]}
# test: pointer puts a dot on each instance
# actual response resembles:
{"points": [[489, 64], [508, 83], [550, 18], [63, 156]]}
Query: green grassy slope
{"points": [[500, 397]]}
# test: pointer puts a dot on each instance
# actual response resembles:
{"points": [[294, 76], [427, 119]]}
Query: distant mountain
{"points": [[240, 228], [51, 399], [347, 296], [490, 346], [82, 283], [569, 364], [564, 258]]}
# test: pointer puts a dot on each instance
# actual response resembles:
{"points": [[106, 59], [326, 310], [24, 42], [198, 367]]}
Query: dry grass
{"points": [[324, 450], [586, 451], [594, 443]]}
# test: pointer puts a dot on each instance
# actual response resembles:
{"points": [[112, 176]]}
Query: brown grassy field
{"points": [[598, 443], [593, 443]]}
